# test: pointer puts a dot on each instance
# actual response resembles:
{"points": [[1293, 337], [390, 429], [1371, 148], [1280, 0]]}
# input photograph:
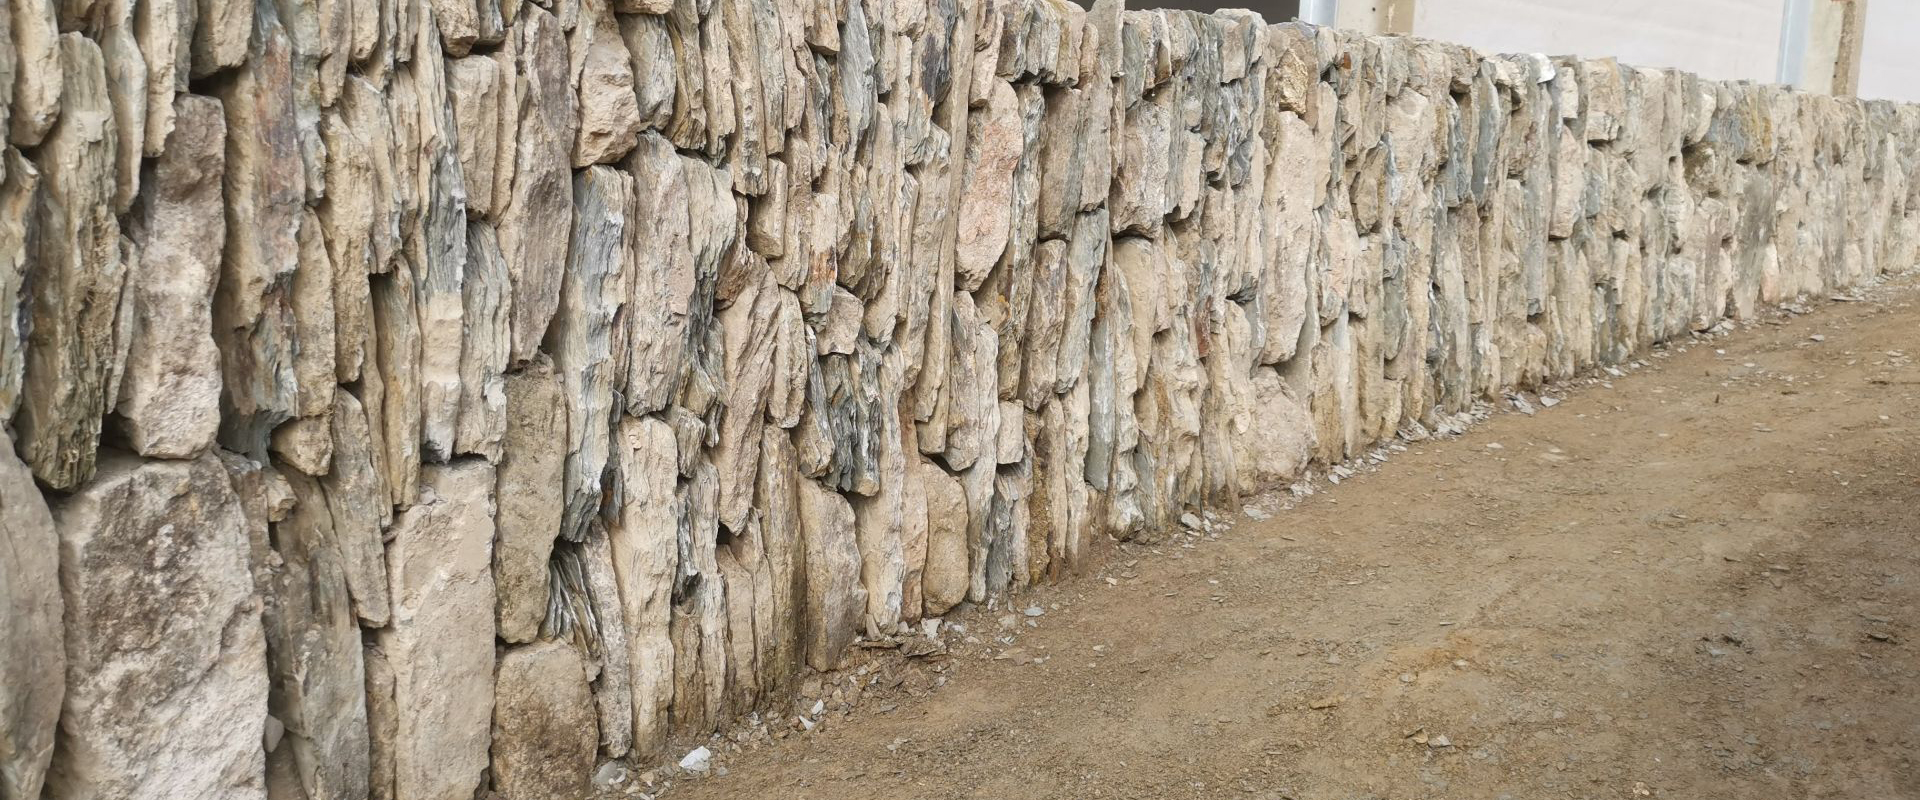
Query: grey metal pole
{"points": [[1795, 16], [1318, 12]]}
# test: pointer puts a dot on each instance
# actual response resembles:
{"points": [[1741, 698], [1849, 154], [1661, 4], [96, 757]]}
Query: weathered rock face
{"points": [[32, 660], [166, 666], [314, 651], [440, 562], [77, 268], [543, 723], [638, 354], [531, 477], [834, 600], [170, 395]]}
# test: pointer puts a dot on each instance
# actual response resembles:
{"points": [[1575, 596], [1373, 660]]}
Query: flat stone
{"points": [[484, 350], [265, 195], [37, 77], [543, 740], [17, 188], [357, 497], [532, 479], [584, 334], [32, 655], [166, 662], [541, 199], [835, 602], [664, 279], [170, 394], [314, 651], [643, 535], [77, 271], [604, 82], [946, 573], [993, 150], [442, 634]]}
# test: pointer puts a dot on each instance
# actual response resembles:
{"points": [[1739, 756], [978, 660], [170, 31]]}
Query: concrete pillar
{"points": [[1375, 16]]}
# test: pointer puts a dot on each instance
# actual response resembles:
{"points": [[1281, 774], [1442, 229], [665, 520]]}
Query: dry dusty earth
{"points": [[1700, 580]]}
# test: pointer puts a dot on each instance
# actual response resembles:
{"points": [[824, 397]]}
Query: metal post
{"points": [[1318, 12], [1794, 17]]}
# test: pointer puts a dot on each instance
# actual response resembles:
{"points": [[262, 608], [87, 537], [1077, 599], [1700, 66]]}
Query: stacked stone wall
{"points": [[403, 397]]}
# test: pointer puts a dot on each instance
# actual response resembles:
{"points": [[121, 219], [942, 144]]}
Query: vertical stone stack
{"points": [[401, 397]]}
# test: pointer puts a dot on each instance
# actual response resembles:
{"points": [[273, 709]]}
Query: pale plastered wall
{"points": [[1890, 56], [1720, 39]]}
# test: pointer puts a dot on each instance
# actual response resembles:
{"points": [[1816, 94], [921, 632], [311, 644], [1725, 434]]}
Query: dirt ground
{"points": [[1700, 579]]}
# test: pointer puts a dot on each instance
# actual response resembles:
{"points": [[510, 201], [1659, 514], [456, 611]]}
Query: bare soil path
{"points": [[1701, 580]]}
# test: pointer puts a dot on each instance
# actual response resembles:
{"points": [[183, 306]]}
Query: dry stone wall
{"points": [[405, 397]]}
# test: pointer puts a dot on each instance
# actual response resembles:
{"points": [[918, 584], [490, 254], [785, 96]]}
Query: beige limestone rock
{"points": [[383, 724], [993, 150], [32, 653], [170, 394], [484, 349], [531, 478], [126, 94], [835, 602], [643, 537], [36, 78], [304, 444], [913, 532], [358, 216], [651, 49], [699, 625], [459, 22], [777, 503], [166, 664], [543, 725], [314, 651], [880, 517], [664, 279], [603, 79], [77, 272], [314, 328], [442, 633], [17, 189], [946, 572], [395, 417], [357, 497], [612, 687], [748, 341], [584, 334], [221, 31], [163, 30], [541, 199], [477, 90], [435, 245], [265, 189]]}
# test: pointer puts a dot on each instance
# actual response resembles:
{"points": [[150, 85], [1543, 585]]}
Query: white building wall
{"points": [[1890, 51], [1721, 39]]}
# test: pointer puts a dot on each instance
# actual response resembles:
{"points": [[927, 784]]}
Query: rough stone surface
{"points": [[32, 659], [442, 633], [77, 270], [644, 537], [314, 651], [531, 476], [684, 341], [166, 664], [540, 202], [835, 602], [543, 723], [170, 395]]}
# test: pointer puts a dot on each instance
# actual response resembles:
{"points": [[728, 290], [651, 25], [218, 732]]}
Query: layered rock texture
{"points": [[404, 398]]}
